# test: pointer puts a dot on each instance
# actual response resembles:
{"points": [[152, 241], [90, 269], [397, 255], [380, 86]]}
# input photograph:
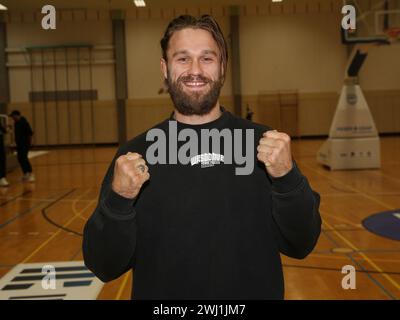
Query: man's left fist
{"points": [[274, 151]]}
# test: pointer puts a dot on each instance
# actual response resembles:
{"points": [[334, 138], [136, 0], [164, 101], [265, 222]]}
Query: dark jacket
{"points": [[23, 132], [203, 232]]}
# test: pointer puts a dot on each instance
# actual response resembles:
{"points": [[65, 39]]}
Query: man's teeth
{"points": [[194, 84]]}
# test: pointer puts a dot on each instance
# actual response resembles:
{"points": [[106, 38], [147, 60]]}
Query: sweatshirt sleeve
{"points": [[295, 214], [109, 237]]}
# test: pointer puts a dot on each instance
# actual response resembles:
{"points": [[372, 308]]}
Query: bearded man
{"points": [[199, 230]]}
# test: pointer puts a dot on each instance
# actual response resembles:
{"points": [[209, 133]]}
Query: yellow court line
{"points": [[123, 285], [80, 217], [387, 193], [76, 213], [340, 219], [58, 231], [377, 268], [366, 258], [79, 199], [345, 258], [389, 177], [350, 187], [316, 255]]}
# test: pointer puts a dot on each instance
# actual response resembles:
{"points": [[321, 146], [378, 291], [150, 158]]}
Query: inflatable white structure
{"points": [[353, 141]]}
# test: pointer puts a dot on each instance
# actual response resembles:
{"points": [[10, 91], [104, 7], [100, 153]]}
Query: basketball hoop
{"points": [[393, 34], [352, 31]]}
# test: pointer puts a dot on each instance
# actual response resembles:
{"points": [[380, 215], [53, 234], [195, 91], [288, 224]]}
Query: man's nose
{"points": [[195, 68]]}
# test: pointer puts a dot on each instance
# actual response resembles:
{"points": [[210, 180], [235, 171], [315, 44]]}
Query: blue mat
{"points": [[385, 224]]}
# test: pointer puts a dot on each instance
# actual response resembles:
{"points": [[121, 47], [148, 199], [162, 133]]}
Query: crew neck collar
{"points": [[217, 123]]}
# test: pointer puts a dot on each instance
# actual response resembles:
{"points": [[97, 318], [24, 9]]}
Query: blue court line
{"points": [[57, 269], [42, 296], [387, 292], [22, 213], [47, 218], [59, 276], [23, 286], [69, 284], [14, 198]]}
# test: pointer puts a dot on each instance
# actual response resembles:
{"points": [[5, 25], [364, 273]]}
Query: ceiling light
{"points": [[3, 7], [139, 3]]}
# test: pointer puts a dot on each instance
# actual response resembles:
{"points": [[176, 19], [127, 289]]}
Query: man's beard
{"points": [[197, 102]]}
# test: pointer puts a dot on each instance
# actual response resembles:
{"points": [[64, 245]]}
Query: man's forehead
{"points": [[191, 39]]}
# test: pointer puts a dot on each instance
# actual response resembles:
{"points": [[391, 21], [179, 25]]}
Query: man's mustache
{"points": [[190, 78]]}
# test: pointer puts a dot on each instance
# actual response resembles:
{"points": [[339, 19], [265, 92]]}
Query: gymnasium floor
{"points": [[66, 193]]}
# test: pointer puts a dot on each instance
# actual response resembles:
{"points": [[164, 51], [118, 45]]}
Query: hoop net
{"points": [[393, 34]]}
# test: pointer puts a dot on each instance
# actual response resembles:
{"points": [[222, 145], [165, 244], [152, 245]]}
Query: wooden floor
{"points": [[67, 188]]}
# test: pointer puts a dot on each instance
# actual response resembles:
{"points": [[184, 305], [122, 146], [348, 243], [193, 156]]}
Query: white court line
{"points": [[34, 154]]}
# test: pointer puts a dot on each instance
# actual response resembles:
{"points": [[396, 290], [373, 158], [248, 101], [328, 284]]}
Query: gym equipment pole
{"points": [[30, 53], [79, 94], [235, 60], [44, 96], [56, 95], [91, 93], [68, 104]]}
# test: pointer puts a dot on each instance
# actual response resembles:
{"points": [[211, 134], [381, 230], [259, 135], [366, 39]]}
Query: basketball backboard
{"points": [[376, 19]]}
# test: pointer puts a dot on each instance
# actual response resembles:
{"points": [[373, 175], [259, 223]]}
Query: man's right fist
{"points": [[130, 172]]}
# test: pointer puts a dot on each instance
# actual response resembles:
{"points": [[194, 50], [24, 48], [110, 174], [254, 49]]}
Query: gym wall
{"points": [[73, 124], [292, 49]]}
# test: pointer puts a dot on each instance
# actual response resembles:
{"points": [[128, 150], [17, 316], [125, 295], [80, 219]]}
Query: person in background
{"points": [[3, 158], [23, 139], [249, 114]]}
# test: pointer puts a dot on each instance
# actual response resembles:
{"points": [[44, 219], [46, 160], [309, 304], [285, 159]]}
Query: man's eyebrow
{"points": [[179, 52], [203, 52], [210, 52]]}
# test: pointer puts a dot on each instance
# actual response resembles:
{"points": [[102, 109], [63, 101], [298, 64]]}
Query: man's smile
{"points": [[194, 85]]}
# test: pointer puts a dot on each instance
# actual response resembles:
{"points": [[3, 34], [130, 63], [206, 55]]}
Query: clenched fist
{"points": [[274, 151], [130, 172]]}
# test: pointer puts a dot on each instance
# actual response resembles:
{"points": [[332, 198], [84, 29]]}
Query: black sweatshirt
{"points": [[198, 232]]}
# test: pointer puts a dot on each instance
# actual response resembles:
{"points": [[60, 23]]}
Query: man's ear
{"points": [[164, 68]]}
